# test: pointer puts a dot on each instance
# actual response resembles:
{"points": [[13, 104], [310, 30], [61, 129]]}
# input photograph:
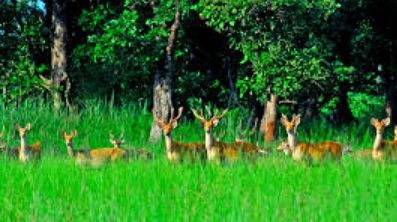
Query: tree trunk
{"points": [[162, 88], [58, 53], [269, 119]]}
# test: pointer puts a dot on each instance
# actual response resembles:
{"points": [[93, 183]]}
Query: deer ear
{"points": [[112, 141], [215, 122], [374, 121], [297, 120], [202, 123], [174, 124], [63, 133], [386, 121], [28, 126]]}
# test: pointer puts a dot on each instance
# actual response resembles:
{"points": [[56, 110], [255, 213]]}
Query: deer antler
{"points": [[201, 118], [162, 121], [178, 117], [221, 134], [121, 136], [218, 117], [111, 135]]}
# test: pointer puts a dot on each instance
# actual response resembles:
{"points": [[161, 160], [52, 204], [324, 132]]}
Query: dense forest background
{"points": [[331, 58]]}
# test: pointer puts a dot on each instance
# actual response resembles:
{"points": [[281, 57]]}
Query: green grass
{"points": [[273, 189]]}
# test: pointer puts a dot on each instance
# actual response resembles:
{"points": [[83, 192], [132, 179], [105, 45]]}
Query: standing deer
{"points": [[128, 154], [306, 151], [220, 150], [28, 152], [383, 149], [93, 157], [177, 151], [11, 152]]}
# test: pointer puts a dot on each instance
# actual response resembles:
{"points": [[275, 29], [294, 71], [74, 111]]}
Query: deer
{"points": [[221, 151], [28, 152], [93, 157], [176, 151], [11, 152], [129, 153], [303, 150], [384, 149], [242, 139]]}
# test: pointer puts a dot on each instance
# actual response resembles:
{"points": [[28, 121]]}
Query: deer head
{"points": [[284, 146], [291, 126], [22, 131], [116, 143], [172, 122], [69, 138], [211, 123]]}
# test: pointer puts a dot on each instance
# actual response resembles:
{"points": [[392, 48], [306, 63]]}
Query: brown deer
{"points": [[93, 157], [307, 151], [128, 154], [242, 138], [11, 152], [221, 151], [383, 149], [28, 152], [177, 151]]}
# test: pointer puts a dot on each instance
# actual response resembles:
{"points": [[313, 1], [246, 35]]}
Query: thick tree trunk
{"points": [[58, 53], [162, 88], [269, 119]]}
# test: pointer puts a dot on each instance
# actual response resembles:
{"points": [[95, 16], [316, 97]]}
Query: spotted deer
{"points": [[28, 152], [223, 151], [177, 151], [92, 157], [303, 150], [128, 154]]}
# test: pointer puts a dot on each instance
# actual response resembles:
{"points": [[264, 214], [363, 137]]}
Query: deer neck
{"points": [[209, 140], [23, 154], [169, 143], [378, 141], [71, 150], [292, 140]]}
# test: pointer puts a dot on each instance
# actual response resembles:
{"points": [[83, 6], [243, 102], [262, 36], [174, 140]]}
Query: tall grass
{"points": [[272, 189]]}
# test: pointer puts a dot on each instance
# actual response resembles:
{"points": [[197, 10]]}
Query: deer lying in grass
{"points": [[11, 152], [384, 149], [307, 151], [28, 152], [177, 151], [93, 157], [221, 151], [128, 154], [241, 140]]}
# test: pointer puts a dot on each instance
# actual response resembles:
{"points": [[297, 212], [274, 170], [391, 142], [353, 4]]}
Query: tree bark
{"points": [[269, 119], [162, 88], [58, 53]]}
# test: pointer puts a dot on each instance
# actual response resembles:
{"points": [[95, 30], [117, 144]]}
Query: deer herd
{"points": [[212, 149]]}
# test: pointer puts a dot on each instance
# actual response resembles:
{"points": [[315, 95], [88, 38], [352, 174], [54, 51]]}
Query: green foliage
{"points": [[23, 41]]}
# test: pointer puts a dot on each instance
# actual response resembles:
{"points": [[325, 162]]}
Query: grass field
{"points": [[273, 189]]}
